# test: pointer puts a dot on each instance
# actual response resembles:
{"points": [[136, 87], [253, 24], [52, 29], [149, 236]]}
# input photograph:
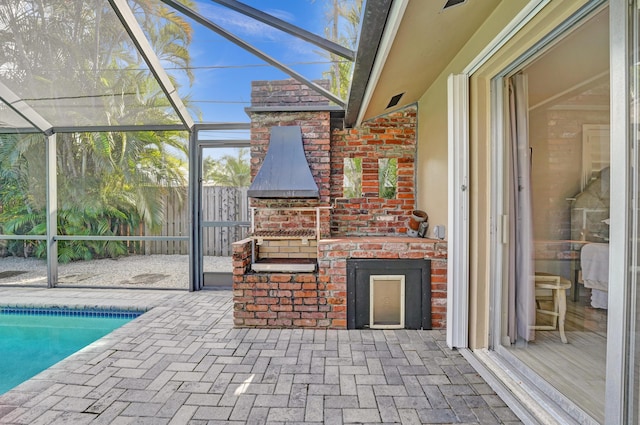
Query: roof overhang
{"points": [[418, 41]]}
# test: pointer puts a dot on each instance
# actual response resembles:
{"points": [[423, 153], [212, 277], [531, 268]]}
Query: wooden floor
{"points": [[576, 369]]}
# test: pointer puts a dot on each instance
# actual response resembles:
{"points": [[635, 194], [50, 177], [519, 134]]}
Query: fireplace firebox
{"points": [[388, 294]]}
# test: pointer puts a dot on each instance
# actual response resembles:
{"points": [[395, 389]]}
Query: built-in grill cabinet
{"points": [[284, 177]]}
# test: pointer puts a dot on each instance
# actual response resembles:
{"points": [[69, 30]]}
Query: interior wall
{"points": [[556, 132], [568, 89]]}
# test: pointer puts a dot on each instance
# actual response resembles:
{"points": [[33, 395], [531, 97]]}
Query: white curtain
{"points": [[522, 312]]}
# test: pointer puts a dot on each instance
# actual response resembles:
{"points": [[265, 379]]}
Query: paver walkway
{"points": [[183, 362]]}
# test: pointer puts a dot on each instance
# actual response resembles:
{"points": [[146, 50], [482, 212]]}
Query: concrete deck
{"points": [[183, 362]]}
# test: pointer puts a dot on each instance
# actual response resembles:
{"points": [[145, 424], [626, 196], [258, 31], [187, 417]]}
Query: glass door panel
{"points": [[557, 289]]}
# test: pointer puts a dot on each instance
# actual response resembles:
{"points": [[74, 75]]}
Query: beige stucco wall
{"points": [[432, 141], [433, 157], [432, 116]]}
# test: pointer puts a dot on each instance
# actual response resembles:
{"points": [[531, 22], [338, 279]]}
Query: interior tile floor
{"points": [[182, 362]]}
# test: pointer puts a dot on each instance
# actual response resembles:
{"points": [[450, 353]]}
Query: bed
{"points": [[594, 261], [590, 223]]}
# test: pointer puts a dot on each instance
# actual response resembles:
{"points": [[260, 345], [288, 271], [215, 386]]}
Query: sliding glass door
{"points": [[623, 381], [569, 300], [555, 290]]}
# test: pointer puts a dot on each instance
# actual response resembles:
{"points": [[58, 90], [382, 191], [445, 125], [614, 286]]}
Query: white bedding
{"points": [[594, 261], [599, 299]]}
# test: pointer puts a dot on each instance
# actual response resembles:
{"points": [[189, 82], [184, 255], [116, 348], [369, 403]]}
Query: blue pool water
{"points": [[32, 340]]}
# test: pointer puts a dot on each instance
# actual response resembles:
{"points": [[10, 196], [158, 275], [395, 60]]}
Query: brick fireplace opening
{"points": [[338, 226]]}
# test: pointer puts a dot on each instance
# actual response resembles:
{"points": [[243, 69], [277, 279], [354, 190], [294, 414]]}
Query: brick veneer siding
{"points": [[319, 300], [388, 136]]}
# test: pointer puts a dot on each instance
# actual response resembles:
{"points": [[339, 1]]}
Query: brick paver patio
{"points": [[183, 362]]}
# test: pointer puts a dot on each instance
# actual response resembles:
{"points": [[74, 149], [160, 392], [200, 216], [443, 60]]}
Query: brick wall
{"points": [[276, 300], [315, 126], [556, 140], [319, 300], [286, 93], [388, 136], [288, 248], [282, 220]]}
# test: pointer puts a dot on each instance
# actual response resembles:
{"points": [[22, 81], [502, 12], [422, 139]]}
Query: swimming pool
{"points": [[33, 339]]}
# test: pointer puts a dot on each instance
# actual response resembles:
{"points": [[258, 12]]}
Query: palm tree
{"points": [[343, 21], [229, 170]]}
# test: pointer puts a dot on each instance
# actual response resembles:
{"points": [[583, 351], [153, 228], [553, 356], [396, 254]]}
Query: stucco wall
{"points": [[432, 116], [432, 160]]}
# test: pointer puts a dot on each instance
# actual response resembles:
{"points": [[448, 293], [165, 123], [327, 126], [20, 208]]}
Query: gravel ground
{"points": [[140, 271]]}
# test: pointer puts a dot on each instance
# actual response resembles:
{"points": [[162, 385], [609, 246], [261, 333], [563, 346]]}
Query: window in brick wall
{"points": [[387, 177], [352, 184]]}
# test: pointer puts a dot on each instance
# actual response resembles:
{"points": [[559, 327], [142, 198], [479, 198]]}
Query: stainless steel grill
{"points": [[284, 234]]}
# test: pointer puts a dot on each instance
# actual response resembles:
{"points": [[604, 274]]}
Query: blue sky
{"points": [[224, 71]]}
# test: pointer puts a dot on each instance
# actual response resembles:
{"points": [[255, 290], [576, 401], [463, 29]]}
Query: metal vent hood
{"points": [[285, 172]]}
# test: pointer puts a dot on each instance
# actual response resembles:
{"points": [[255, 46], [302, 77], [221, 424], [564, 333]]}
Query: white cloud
{"points": [[255, 32], [236, 23]]}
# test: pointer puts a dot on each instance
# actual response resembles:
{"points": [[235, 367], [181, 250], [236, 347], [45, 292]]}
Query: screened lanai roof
{"points": [[103, 64]]}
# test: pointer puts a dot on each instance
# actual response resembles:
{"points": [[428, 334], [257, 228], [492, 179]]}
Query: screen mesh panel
{"points": [[75, 65]]}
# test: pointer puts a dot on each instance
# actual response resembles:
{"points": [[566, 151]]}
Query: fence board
{"points": [[218, 204]]}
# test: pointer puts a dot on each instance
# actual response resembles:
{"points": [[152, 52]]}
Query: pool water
{"points": [[32, 342]]}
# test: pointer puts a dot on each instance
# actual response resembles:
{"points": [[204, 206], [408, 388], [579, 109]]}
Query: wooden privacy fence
{"points": [[219, 205]]}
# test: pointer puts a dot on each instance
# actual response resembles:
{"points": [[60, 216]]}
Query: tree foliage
{"points": [[233, 171], [108, 183], [388, 177], [352, 184], [343, 23]]}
